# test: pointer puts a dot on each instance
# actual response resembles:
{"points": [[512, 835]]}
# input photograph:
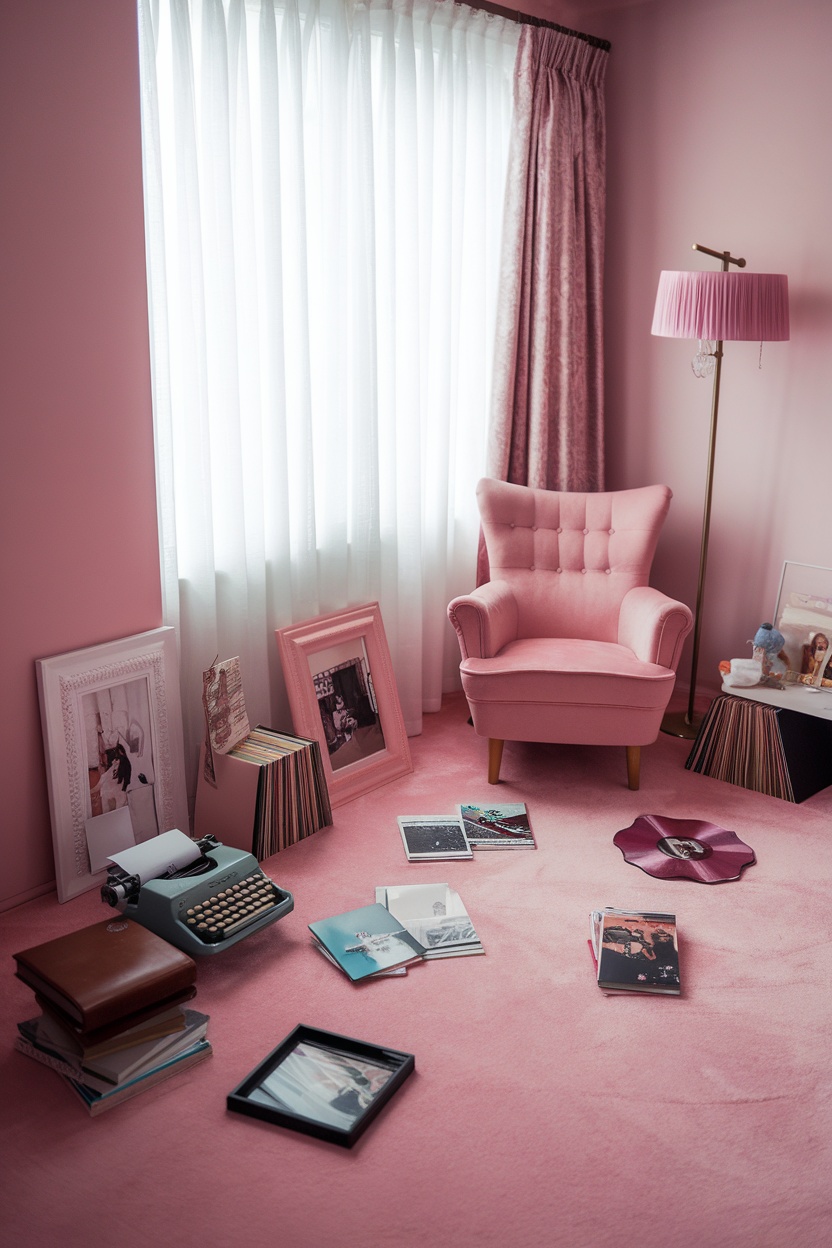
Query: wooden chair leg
{"points": [[495, 757], [633, 765]]}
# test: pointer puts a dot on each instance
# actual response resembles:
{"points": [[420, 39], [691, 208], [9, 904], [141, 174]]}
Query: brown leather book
{"points": [[108, 973]]}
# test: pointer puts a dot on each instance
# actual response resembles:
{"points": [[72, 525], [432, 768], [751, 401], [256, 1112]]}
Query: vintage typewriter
{"points": [[204, 907]]}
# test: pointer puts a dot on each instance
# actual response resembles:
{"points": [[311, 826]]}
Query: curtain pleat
{"points": [[547, 423]]}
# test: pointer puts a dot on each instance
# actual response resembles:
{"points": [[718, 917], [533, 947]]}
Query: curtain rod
{"points": [[526, 19]]}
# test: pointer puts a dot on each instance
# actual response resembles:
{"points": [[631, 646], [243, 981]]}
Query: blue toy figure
{"points": [[768, 646]]}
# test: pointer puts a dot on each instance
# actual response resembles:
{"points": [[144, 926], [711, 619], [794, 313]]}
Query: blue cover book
{"points": [[365, 941]]}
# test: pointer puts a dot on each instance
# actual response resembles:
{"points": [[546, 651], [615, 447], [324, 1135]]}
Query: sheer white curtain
{"points": [[324, 187]]}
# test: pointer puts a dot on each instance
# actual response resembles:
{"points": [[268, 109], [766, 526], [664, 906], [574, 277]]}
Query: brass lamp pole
{"points": [[686, 723]]}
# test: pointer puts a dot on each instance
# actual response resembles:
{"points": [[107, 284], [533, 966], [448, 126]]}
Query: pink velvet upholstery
{"points": [[568, 642]]}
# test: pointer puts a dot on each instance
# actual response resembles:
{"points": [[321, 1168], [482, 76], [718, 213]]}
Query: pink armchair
{"points": [[567, 642]]}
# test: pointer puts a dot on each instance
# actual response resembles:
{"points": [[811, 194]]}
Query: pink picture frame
{"points": [[342, 693]]}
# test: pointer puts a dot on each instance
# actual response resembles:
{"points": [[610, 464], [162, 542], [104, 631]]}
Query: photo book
{"points": [[435, 915], [367, 941], [108, 974], [429, 837], [504, 826], [635, 951]]}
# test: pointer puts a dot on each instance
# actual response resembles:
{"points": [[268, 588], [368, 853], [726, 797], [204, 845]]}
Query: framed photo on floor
{"points": [[112, 733], [322, 1084], [342, 691]]}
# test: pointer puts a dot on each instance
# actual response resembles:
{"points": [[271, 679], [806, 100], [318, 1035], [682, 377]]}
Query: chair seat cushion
{"points": [[562, 689]]}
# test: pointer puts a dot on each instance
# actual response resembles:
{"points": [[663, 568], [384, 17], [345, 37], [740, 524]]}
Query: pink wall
{"points": [[718, 128], [718, 117], [718, 133], [78, 561]]}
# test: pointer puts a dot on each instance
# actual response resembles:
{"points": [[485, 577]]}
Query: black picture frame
{"points": [[322, 1084]]}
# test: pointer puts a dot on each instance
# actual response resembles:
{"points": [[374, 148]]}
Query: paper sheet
{"points": [[108, 833], [164, 854]]}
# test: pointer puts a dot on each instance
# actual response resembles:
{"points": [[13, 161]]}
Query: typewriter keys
{"points": [[233, 908]]}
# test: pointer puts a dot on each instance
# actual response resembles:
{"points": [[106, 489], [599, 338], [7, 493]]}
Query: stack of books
{"points": [[268, 793], [635, 951], [113, 1020]]}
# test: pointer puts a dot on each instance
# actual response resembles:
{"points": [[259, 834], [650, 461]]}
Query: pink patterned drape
{"points": [[547, 420]]}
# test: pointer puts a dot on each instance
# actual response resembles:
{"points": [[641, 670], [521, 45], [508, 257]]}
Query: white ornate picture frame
{"points": [[112, 733]]}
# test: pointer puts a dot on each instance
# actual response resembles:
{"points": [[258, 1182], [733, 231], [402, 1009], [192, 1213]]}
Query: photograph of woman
{"points": [[120, 755], [350, 722], [815, 659]]}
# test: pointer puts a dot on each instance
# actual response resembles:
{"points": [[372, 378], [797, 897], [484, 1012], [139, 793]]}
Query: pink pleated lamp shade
{"points": [[740, 307]]}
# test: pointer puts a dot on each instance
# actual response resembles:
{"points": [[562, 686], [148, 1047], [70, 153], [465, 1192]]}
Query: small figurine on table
{"points": [[767, 666], [768, 646]]}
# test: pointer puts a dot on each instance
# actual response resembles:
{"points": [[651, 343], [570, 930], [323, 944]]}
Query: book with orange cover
{"points": [[107, 973]]}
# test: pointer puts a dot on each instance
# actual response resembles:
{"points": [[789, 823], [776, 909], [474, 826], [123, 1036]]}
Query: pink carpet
{"points": [[542, 1112]]}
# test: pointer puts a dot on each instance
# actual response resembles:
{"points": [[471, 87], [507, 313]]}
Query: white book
{"points": [[435, 915]]}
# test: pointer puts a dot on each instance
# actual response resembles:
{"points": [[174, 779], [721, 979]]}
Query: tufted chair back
{"points": [[570, 558]]}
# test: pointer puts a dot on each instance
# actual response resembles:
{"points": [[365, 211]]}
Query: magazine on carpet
{"points": [[503, 826], [365, 941], [434, 836], [435, 915], [635, 951]]}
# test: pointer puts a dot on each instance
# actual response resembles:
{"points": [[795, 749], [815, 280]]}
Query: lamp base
{"points": [[680, 724]]}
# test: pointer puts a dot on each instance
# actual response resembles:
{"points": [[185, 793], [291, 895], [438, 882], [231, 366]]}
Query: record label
{"points": [[684, 849]]}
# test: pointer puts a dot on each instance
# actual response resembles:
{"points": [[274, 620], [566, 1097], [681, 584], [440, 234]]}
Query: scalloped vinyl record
{"points": [[684, 849]]}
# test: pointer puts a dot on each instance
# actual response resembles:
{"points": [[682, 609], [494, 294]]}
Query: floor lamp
{"points": [[715, 307]]}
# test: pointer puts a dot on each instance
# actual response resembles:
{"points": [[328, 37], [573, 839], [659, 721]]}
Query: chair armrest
{"points": [[485, 620], [654, 626]]}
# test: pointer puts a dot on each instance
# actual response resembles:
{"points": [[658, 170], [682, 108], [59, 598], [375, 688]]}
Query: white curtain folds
{"points": [[324, 186]]}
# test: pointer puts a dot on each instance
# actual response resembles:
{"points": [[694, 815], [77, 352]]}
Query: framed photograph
{"points": [[112, 733], [804, 616], [322, 1084], [434, 836], [343, 695]]}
